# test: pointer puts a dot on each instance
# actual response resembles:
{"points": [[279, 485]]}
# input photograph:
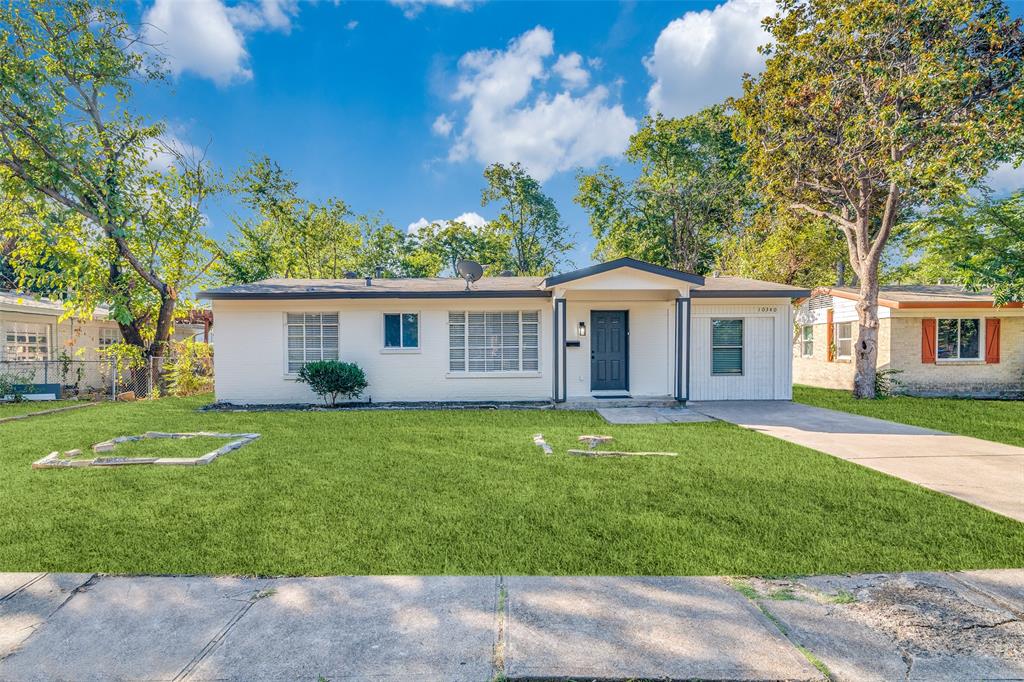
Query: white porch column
{"points": [[558, 374], [682, 349]]}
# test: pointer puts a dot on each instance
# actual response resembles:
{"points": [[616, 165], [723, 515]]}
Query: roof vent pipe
{"points": [[378, 272], [369, 281]]}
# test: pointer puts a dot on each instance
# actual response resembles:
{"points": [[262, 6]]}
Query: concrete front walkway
{"points": [[872, 627], [985, 473]]}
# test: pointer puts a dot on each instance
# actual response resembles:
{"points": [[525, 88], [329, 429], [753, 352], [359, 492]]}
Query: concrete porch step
{"points": [[590, 403]]}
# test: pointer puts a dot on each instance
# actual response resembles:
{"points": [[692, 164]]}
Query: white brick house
{"points": [[625, 328], [943, 340]]}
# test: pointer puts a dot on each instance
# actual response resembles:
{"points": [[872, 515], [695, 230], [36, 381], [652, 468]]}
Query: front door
{"points": [[609, 363]]}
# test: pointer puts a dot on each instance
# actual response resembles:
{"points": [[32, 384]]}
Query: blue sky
{"points": [[398, 106]]}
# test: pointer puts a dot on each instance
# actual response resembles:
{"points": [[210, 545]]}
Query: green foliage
{"points": [[528, 235], [287, 236], [450, 242], [105, 221], [13, 382], [128, 359], [189, 370], [976, 242], [690, 192], [868, 107], [331, 378], [781, 246], [887, 381]]}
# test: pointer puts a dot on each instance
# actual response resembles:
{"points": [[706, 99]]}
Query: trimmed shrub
{"points": [[332, 378]]}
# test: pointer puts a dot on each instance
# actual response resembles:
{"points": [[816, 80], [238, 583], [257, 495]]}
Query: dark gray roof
{"points": [[489, 287], [925, 296], [419, 287]]}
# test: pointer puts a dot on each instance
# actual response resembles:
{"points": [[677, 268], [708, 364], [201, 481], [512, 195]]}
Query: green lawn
{"points": [[998, 420], [467, 492], [26, 406]]}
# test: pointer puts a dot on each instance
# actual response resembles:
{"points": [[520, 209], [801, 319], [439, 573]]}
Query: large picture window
{"points": [[26, 341], [401, 330], [959, 339], [311, 337], [844, 340], [494, 342], [726, 347]]}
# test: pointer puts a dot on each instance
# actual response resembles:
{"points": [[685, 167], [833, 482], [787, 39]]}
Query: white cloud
{"points": [[412, 8], [1005, 178], [207, 38], [699, 58], [512, 118], [168, 148], [470, 218], [442, 126], [351, 26], [569, 68]]}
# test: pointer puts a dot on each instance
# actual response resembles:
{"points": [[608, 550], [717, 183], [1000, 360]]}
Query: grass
{"points": [[467, 492], [161, 447], [996, 420], [11, 409]]}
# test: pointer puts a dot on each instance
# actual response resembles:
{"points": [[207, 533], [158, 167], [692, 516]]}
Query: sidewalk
{"points": [[908, 626]]}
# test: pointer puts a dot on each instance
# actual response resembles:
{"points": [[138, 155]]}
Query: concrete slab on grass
{"points": [[138, 628], [650, 415], [413, 628], [646, 628]]}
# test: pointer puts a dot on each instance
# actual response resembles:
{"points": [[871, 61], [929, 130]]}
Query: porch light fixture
{"points": [[581, 329]]}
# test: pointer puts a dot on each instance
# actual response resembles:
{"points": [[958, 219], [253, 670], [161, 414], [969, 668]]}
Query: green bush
{"points": [[188, 369], [331, 378]]}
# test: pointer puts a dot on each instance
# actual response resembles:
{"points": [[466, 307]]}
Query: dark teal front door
{"points": [[609, 350]]}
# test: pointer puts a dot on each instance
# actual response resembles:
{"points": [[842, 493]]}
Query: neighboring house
{"points": [[33, 339], [620, 329], [942, 339]]}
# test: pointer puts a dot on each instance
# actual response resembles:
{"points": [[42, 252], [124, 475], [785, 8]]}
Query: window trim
{"points": [[284, 336], [399, 350], [836, 338], [467, 373], [742, 346], [804, 340], [979, 359]]}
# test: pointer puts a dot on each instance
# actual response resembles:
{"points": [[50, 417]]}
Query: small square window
{"points": [[844, 340], [401, 330]]}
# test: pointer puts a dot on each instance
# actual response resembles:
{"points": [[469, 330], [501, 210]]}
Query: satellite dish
{"points": [[469, 271]]}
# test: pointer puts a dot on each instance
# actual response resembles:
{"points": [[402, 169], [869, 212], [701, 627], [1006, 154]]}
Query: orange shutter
{"points": [[928, 341], [830, 331], [992, 340]]}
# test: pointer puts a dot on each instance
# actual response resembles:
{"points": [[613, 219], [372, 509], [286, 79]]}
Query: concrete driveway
{"points": [[985, 473]]}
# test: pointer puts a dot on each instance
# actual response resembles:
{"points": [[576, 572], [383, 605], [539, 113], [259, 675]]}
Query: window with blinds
{"points": [[494, 342], [311, 337], [726, 347]]}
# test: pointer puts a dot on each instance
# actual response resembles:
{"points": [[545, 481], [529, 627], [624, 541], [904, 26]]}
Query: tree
{"points": [[690, 192], [530, 235], [125, 232], [781, 246], [976, 242], [866, 107], [452, 241]]}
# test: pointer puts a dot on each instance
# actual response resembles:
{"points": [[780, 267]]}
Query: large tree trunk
{"points": [[866, 349]]}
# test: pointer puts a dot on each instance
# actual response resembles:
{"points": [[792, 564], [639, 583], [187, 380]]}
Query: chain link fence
{"points": [[103, 379]]}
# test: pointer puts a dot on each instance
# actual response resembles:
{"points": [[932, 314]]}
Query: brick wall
{"points": [[968, 378]]}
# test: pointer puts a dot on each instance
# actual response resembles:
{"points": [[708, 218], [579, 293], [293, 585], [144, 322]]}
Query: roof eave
{"points": [[749, 293], [555, 280], [356, 295]]}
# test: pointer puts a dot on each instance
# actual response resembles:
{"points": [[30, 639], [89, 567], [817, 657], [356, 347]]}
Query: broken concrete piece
{"points": [[593, 441], [73, 453], [538, 440], [54, 461], [616, 453]]}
